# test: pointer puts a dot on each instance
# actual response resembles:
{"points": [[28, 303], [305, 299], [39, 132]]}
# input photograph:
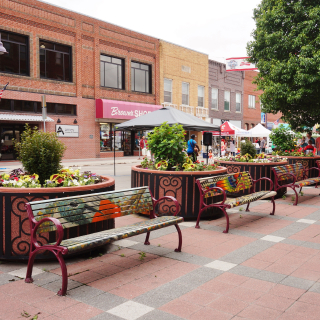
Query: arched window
{"points": [[252, 125], [246, 126]]}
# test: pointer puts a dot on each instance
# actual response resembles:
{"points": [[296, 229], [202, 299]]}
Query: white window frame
{"points": [[188, 95], [201, 88], [238, 101], [227, 95], [216, 100], [251, 101], [165, 91]]}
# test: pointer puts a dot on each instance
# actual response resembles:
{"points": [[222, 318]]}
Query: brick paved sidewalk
{"points": [[267, 267]]}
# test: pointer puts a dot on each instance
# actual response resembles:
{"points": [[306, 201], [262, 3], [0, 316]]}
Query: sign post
{"points": [[44, 111]]}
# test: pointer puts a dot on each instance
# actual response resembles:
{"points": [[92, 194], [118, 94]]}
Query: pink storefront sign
{"points": [[109, 109]]}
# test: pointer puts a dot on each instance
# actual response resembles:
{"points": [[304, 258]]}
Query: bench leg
{"points": [[63, 290], [198, 219], [247, 209], [227, 218], [180, 239], [274, 206], [30, 267], [295, 191], [147, 239]]}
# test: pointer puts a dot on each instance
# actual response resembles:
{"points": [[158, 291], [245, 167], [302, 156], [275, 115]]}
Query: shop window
{"points": [[17, 59], [227, 101], [214, 99], [168, 90], [238, 102], [107, 135], [60, 108], [201, 96], [55, 61], [141, 77], [5, 105], [185, 93], [111, 72]]}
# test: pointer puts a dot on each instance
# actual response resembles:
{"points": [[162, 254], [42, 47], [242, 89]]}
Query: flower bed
{"points": [[259, 158], [66, 177]]}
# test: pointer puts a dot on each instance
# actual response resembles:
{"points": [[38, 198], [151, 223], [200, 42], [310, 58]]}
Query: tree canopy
{"points": [[286, 50]]}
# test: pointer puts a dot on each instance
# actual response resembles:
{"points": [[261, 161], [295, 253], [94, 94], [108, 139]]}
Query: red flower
{"points": [[202, 161], [60, 180], [15, 178], [285, 150]]}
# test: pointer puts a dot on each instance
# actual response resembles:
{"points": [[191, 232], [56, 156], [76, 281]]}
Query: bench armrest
{"points": [[208, 190], [155, 202], [263, 178], [305, 170]]}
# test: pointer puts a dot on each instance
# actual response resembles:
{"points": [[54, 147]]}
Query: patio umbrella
{"points": [[171, 116]]}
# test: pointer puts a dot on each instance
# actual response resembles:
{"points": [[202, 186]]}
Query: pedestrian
{"points": [[318, 145], [143, 147], [232, 148], [263, 145], [193, 148], [309, 137], [303, 142], [309, 148], [210, 155]]}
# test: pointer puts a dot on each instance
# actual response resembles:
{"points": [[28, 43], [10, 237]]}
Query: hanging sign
{"points": [[239, 64]]}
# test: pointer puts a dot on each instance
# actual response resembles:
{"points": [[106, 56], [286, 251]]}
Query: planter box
{"points": [[15, 228], [257, 171], [178, 184]]}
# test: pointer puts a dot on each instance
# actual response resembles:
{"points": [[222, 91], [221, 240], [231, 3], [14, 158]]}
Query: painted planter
{"points": [[178, 184], [257, 171], [15, 228], [307, 162]]}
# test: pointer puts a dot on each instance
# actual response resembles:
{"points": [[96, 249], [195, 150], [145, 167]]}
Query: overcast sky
{"points": [[219, 28]]}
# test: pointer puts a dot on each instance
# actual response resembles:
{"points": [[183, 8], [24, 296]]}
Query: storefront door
{"points": [[127, 143], [8, 132]]}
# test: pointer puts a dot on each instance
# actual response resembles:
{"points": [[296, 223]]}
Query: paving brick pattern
{"points": [[266, 267]]}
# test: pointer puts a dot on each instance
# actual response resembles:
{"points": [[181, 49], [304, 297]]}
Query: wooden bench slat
{"points": [[52, 203]]}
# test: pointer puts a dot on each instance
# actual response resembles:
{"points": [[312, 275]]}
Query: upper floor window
{"points": [[251, 101], [111, 72], [201, 96], [246, 126], [227, 101], [141, 77], [17, 59], [185, 93], [238, 102], [167, 90], [55, 61], [214, 99]]}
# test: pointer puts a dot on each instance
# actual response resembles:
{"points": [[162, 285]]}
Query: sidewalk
{"points": [[267, 267]]}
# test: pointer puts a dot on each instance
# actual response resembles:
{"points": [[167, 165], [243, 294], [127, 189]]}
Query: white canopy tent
{"points": [[260, 131]]}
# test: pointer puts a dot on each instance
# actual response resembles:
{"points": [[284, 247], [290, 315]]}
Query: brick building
{"points": [[252, 104], [85, 67], [183, 80], [225, 94]]}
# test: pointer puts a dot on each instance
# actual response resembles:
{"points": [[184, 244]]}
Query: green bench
{"points": [[228, 184], [64, 213]]}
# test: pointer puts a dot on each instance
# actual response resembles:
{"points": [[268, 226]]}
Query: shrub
{"points": [[167, 143], [248, 148], [40, 152], [282, 138]]}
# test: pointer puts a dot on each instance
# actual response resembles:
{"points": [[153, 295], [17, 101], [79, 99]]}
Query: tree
{"points": [[286, 50]]}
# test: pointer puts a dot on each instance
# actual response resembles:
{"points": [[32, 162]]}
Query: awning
{"points": [[23, 117]]}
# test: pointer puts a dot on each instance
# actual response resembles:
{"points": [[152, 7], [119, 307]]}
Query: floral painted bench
{"points": [[227, 185], [64, 213], [294, 176]]}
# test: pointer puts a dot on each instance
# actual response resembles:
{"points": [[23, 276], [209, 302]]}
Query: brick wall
{"points": [[88, 38], [222, 80], [252, 116]]}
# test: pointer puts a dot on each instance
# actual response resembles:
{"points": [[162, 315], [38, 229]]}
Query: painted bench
{"points": [[294, 176], [227, 185], [64, 213]]}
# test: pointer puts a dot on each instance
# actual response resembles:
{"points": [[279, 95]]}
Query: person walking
{"points": [[309, 137], [263, 145], [143, 147], [193, 148]]}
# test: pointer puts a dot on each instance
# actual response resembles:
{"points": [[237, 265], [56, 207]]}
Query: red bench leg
{"points": [[199, 216], [180, 239], [146, 242], [227, 218], [274, 206], [30, 267], [296, 202], [247, 209], [63, 290]]}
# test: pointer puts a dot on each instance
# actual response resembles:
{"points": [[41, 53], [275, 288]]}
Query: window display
{"points": [[107, 136]]}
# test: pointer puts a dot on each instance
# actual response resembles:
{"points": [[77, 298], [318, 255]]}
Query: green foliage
{"points": [[40, 152], [248, 148], [286, 50], [282, 139], [166, 143]]}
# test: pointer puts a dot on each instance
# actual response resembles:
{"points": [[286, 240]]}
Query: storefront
{"points": [[109, 113]]}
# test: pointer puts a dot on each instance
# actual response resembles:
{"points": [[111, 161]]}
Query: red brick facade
{"points": [[88, 38], [252, 116]]}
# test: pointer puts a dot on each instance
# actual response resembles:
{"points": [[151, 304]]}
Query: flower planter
{"points": [[178, 184], [257, 171], [307, 162], [14, 244]]}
